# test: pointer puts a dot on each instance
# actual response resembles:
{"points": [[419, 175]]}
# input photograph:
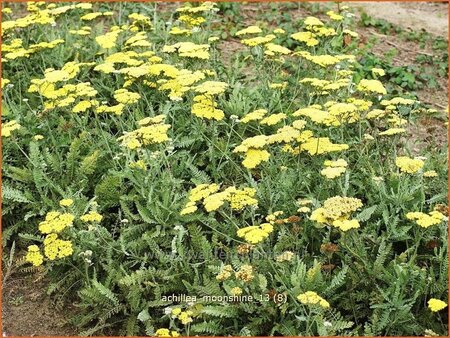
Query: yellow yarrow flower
{"points": [[253, 157], [92, 216], [371, 86], [9, 127], [426, 220], [430, 173], [225, 273], [260, 40], [332, 172], [67, 202], [245, 273], [273, 119], [55, 222], [307, 37], [393, 131], [436, 305], [34, 255], [255, 233], [56, 248], [254, 115], [204, 106], [409, 165], [188, 49], [378, 71], [236, 291], [286, 256], [346, 224], [311, 298], [249, 30], [151, 131]]}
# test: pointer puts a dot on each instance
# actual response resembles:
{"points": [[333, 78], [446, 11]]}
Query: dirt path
{"points": [[431, 17], [28, 311]]}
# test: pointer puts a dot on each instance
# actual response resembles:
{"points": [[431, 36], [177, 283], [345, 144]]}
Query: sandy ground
{"points": [[429, 16]]}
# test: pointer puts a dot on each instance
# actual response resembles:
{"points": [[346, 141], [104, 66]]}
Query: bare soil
{"points": [[28, 311], [429, 16]]}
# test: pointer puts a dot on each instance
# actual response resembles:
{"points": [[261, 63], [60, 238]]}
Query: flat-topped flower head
{"points": [[409, 165]]}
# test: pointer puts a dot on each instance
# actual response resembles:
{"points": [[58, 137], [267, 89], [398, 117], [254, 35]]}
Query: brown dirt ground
{"points": [[426, 16], [429, 16], [28, 311]]}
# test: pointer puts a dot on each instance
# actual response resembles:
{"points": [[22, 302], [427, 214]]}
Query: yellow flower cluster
{"points": [[180, 83], [255, 233], [287, 134], [334, 168], [323, 60], [95, 15], [336, 211], [191, 21], [236, 291], [4, 82], [15, 49], [9, 127], [55, 222], [92, 216], [204, 104], [430, 173], [251, 147], [254, 115], [191, 16], [211, 87], [409, 165], [314, 29], [286, 256], [249, 30], [323, 87], [311, 297], [321, 145], [152, 131], [56, 248], [336, 114], [40, 16], [205, 107], [67, 94], [125, 97], [213, 200], [436, 305], [245, 273], [225, 273], [426, 220], [334, 16], [272, 49], [34, 255], [273, 119], [239, 199], [371, 86], [392, 131], [259, 40], [308, 38], [108, 40], [166, 333], [189, 50], [67, 202], [378, 71], [184, 316], [398, 101]]}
